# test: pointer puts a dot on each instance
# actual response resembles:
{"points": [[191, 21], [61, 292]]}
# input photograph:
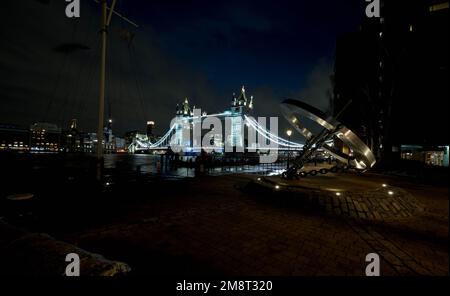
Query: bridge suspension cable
{"points": [[268, 135]]}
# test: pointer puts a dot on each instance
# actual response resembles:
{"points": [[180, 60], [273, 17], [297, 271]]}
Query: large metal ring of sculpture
{"points": [[298, 113]]}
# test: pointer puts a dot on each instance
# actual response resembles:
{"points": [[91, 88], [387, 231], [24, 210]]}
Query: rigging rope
{"points": [[136, 80], [58, 77]]}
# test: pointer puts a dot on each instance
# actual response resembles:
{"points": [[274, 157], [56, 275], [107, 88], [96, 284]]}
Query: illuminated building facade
{"points": [[183, 114], [14, 138], [434, 156], [109, 143], [72, 139], [150, 130], [45, 137], [239, 106]]}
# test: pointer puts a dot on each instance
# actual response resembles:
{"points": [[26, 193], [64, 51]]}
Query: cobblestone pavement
{"points": [[222, 228], [373, 201]]}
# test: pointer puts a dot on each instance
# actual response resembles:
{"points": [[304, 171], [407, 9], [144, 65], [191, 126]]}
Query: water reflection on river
{"points": [[148, 163]]}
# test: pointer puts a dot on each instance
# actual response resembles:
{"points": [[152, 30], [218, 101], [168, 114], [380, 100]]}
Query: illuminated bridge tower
{"points": [[239, 107], [184, 113]]}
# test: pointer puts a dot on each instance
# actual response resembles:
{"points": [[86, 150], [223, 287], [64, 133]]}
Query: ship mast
{"points": [[104, 24]]}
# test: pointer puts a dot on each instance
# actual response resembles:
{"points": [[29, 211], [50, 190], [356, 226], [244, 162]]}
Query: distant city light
{"points": [[384, 185], [391, 192], [338, 194], [440, 6], [277, 186]]}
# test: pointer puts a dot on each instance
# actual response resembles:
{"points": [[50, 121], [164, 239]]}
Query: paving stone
{"points": [[357, 206], [383, 204], [364, 206], [351, 206], [258, 238]]}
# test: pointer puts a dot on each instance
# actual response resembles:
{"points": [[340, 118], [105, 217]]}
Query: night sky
{"points": [[202, 50]]}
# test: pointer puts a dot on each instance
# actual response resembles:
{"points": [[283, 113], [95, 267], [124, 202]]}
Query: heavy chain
{"points": [[322, 171], [312, 144]]}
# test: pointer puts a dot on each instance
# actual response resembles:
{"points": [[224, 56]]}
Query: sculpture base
{"points": [[351, 195]]}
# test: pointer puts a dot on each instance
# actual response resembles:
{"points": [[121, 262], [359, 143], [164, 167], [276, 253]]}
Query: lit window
{"points": [[440, 6]]}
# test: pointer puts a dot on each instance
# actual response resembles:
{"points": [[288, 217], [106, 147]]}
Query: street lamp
{"points": [[288, 133]]}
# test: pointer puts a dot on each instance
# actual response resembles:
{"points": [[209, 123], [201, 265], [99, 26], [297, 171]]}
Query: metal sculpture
{"points": [[298, 113]]}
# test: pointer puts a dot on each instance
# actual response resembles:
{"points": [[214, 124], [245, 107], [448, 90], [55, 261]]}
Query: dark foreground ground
{"points": [[229, 225]]}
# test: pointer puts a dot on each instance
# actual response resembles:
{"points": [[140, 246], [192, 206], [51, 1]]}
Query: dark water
{"points": [[65, 185], [26, 172], [153, 164], [145, 163]]}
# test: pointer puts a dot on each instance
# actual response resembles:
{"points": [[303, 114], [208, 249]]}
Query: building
{"points": [[89, 142], [391, 78], [120, 144], [45, 137], [150, 129], [239, 106], [183, 114], [108, 138], [48, 137], [434, 156], [14, 138], [72, 138]]}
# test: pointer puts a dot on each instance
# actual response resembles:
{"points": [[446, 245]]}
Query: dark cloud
{"points": [[49, 64], [50, 72], [315, 90]]}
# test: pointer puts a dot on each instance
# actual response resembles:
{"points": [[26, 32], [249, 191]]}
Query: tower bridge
{"points": [[240, 125]]}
